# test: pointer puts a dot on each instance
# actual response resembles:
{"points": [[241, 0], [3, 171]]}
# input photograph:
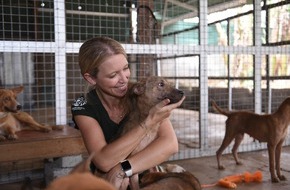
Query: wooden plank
{"points": [[38, 145]]}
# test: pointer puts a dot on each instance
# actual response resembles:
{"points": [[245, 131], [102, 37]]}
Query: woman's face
{"points": [[113, 76]]}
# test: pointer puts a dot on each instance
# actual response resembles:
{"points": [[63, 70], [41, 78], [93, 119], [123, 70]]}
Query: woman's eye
{"points": [[113, 75]]}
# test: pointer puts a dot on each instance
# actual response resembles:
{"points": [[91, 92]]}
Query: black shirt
{"points": [[90, 105]]}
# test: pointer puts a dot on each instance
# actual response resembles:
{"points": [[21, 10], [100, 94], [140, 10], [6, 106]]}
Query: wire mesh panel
{"points": [[233, 52]]}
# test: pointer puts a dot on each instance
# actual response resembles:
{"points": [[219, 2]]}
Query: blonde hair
{"points": [[95, 51]]}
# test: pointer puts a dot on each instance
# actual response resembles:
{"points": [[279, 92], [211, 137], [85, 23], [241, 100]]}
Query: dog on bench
{"points": [[13, 120], [269, 128], [142, 96]]}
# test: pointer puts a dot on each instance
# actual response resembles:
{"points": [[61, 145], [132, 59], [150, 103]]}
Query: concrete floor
{"points": [[205, 169]]}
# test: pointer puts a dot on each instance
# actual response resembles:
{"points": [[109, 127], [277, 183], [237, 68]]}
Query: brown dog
{"points": [[269, 128], [13, 120], [143, 96], [170, 181]]}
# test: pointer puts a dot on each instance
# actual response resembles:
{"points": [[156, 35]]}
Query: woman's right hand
{"points": [[116, 177], [161, 111]]}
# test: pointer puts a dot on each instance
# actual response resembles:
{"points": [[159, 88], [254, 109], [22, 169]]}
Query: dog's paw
{"points": [[2, 138], [47, 129], [12, 137], [220, 167], [57, 127], [282, 178], [275, 180], [239, 163]]}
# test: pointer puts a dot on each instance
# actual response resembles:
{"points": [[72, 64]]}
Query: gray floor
{"points": [[205, 169]]}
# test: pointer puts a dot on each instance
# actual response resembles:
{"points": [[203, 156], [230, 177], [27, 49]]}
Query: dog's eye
{"points": [[6, 98], [161, 84]]}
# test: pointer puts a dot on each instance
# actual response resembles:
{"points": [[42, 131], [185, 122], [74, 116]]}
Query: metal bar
{"points": [[203, 78], [60, 62]]}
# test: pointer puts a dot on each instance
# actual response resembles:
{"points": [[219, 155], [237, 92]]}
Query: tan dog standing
{"points": [[269, 128], [13, 120]]}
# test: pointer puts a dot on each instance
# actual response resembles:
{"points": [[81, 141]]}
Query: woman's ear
{"points": [[90, 79]]}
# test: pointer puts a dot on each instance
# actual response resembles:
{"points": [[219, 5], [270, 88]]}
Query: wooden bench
{"points": [[38, 145]]}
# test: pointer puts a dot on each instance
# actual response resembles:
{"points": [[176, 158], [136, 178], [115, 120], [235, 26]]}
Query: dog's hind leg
{"points": [[271, 153], [227, 140], [277, 159], [238, 139]]}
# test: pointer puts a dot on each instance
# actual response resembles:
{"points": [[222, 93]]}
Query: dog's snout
{"points": [[18, 107], [181, 92]]}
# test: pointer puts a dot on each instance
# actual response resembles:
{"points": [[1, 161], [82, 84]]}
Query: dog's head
{"points": [[8, 99], [155, 89]]}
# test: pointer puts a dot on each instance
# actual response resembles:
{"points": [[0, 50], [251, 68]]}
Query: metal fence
{"points": [[234, 52]]}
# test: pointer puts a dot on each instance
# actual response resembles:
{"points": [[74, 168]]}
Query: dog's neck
{"points": [[3, 114]]}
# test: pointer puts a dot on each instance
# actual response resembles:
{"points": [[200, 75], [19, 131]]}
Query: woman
{"points": [[100, 115]]}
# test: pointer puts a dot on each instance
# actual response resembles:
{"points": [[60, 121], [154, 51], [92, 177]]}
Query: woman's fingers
{"points": [[166, 102], [163, 103]]}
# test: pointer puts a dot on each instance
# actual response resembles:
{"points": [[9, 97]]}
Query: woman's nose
{"points": [[123, 77]]}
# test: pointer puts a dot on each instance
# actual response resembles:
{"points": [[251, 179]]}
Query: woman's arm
{"points": [[107, 155], [164, 146], [158, 151]]}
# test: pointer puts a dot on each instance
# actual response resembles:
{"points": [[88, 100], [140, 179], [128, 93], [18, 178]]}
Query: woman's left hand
{"points": [[117, 178]]}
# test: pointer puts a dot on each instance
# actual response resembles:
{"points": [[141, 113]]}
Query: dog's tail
{"points": [[218, 109]]}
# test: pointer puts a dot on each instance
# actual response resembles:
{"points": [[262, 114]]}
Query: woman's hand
{"points": [[117, 178], [161, 111]]}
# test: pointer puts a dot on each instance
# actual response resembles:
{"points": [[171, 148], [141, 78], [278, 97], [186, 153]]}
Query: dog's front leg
{"points": [[28, 121], [277, 159], [11, 133], [134, 182], [271, 153]]}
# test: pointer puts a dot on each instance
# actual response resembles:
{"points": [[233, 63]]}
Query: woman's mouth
{"points": [[123, 88]]}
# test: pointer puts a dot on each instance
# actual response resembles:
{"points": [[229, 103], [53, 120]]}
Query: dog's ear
{"points": [[17, 90], [139, 88]]}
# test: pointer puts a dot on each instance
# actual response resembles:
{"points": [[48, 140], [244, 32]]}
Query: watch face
{"points": [[126, 165]]}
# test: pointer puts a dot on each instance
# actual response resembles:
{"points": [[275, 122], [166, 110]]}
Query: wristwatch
{"points": [[126, 167]]}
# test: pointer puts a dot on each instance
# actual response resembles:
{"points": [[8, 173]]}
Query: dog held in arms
{"points": [[269, 128], [141, 97], [13, 120]]}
